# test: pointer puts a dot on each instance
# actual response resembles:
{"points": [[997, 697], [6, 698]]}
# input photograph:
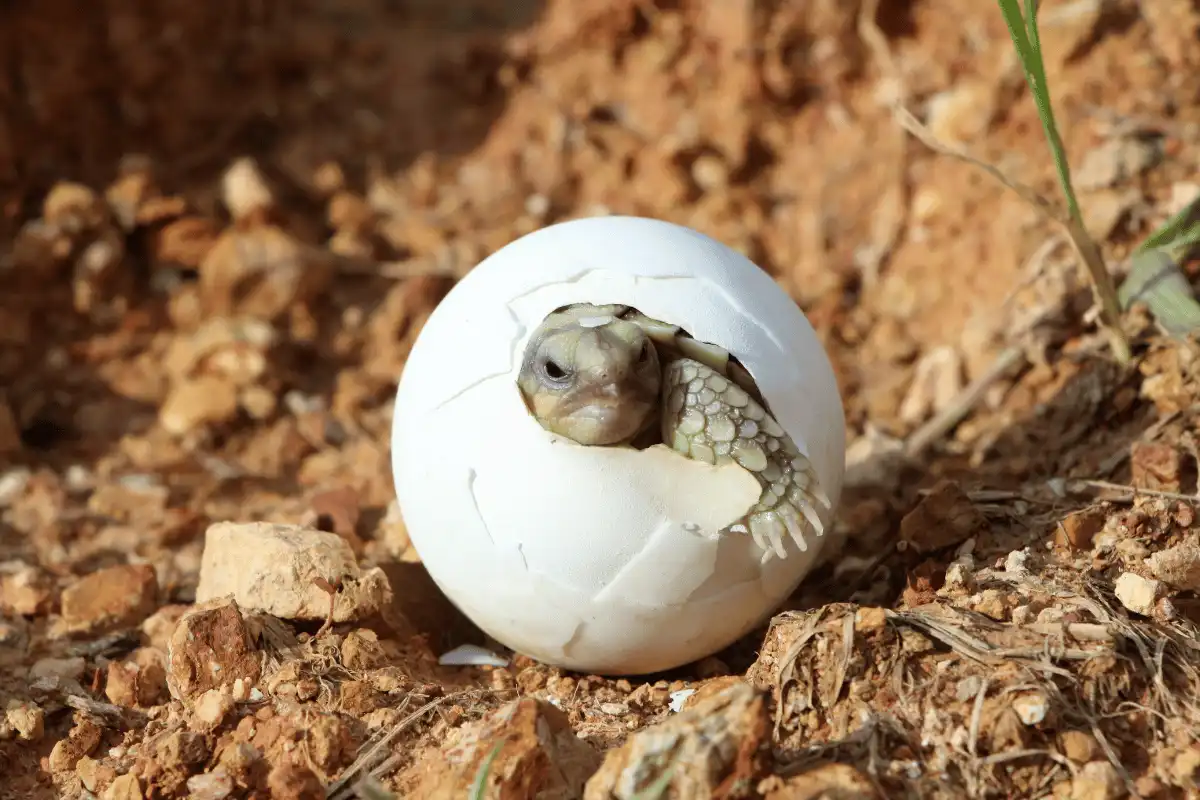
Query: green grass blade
{"points": [[1180, 231], [1031, 29], [1156, 280], [657, 789], [1027, 41], [479, 786]]}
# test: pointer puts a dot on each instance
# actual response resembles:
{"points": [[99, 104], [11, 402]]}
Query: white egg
{"points": [[602, 559]]}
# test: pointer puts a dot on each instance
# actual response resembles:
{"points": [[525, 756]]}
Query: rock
{"points": [[962, 113], [1097, 780], [1147, 786], [235, 349], [110, 599], [215, 785], [198, 402], [1177, 566], [124, 787], [243, 762], [720, 742], [281, 570], [1157, 466], [1079, 528], [1136, 593], [140, 504], [210, 648], [62, 670], [945, 517], [331, 743], [13, 483], [27, 720], [1116, 161], [289, 781], [159, 626], [211, 709], [172, 759], [840, 781], [1079, 746], [73, 206], [539, 756], [28, 592], [995, 603], [183, 242], [260, 271], [1031, 707], [244, 189], [1185, 768], [81, 741], [361, 651], [1106, 209], [94, 775], [140, 681]]}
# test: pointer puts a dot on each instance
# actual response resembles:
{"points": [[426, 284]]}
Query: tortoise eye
{"points": [[556, 372]]}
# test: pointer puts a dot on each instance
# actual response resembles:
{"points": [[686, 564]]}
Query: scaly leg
{"points": [[709, 418]]}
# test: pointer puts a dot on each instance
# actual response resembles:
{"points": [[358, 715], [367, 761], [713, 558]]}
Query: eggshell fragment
{"points": [[602, 559]]}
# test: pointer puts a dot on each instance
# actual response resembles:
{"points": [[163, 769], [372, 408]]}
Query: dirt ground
{"points": [[225, 223]]}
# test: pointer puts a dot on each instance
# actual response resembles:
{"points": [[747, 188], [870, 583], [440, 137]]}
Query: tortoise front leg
{"points": [[709, 418]]}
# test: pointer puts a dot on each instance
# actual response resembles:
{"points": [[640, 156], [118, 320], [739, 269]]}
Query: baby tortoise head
{"points": [[590, 376]]}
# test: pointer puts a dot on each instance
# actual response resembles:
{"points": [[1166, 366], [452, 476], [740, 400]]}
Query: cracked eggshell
{"points": [[602, 560]]}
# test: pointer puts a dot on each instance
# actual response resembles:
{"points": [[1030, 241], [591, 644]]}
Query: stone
{"points": [[944, 517], [1157, 466], [260, 271], [211, 647], [63, 670], [171, 760], [198, 402], [26, 719], [1136, 593], [211, 709], [215, 785], [722, 741], [81, 741], [1177, 566], [110, 599], [1116, 161], [538, 756], [362, 651], [1079, 746], [94, 775], [1185, 768], [1031, 707], [331, 743], [138, 682], [285, 571], [288, 781], [841, 781], [124, 787], [1097, 780], [1079, 528], [28, 592]]}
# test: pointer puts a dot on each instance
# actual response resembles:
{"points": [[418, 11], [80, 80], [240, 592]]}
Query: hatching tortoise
{"points": [[605, 374]]}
